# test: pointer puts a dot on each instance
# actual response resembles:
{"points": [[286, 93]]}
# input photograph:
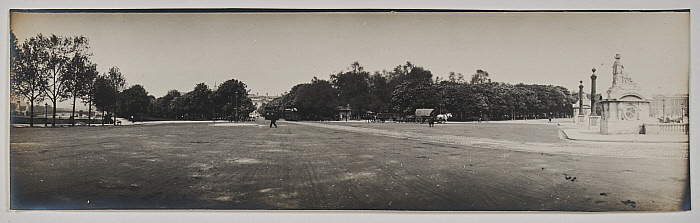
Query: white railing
{"points": [[666, 128]]}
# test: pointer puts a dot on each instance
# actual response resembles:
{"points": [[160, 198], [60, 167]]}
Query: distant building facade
{"points": [[670, 106], [258, 101], [19, 107], [344, 113]]}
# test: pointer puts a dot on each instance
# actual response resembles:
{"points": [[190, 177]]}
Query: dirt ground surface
{"points": [[341, 166]]}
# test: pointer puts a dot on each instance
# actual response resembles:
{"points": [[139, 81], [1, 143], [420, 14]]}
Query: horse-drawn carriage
{"points": [[423, 115]]}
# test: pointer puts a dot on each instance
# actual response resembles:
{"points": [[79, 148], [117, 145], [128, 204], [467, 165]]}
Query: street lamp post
{"points": [[46, 114], [682, 112], [580, 98], [663, 110], [593, 97]]}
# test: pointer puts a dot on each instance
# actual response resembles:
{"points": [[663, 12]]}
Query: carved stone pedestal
{"points": [[624, 113]]}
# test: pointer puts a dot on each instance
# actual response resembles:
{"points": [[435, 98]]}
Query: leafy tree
{"points": [[166, 106], [480, 77], [152, 100], [88, 90], [58, 52], [231, 99], [408, 72], [379, 93], [106, 91], [26, 70], [353, 87], [455, 77], [415, 94], [79, 79], [315, 100], [545, 100], [133, 101], [197, 104], [104, 95], [117, 80]]}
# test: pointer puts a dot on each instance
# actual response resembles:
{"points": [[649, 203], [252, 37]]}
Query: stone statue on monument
{"points": [[617, 70], [625, 109], [620, 78]]}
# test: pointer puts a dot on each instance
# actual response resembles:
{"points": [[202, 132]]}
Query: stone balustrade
{"points": [[666, 128]]}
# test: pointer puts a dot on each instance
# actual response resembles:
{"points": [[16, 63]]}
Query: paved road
{"points": [[565, 147], [310, 166]]}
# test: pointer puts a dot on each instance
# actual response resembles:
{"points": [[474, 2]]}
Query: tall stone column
{"points": [[580, 98], [593, 97]]}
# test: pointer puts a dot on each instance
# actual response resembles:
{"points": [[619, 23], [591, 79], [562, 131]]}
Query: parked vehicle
{"points": [[383, 117], [422, 115], [291, 114]]}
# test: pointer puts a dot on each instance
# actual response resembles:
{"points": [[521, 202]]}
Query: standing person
{"points": [[431, 122], [273, 120]]}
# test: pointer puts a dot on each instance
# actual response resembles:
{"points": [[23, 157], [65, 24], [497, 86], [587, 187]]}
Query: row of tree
{"points": [[409, 87], [57, 68], [228, 101]]}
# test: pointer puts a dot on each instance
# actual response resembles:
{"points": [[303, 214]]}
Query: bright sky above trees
{"points": [[272, 52]]}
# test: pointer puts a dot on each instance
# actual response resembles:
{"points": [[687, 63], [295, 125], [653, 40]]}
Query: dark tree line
{"points": [[57, 69], [228, 102], [501, 101], [409, 87]]}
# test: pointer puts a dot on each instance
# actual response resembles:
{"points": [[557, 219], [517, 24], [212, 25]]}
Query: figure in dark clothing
{"points": [[431, 122], [273, 121]]}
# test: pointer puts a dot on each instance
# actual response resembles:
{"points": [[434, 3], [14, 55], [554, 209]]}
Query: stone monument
{"points": [[582, 108], [593, 118], [626, 108]]}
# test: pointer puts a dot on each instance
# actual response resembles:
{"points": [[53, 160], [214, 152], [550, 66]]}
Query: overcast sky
{"points": [[609, 41], [272, 52]]}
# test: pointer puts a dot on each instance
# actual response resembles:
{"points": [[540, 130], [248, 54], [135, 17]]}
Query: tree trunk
{"points": [[53, 123], [89, 111], [72, 115], [31, 114]]}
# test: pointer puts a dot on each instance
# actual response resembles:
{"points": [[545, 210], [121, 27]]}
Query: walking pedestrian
{"points": [[273, 120], [431, 122]]}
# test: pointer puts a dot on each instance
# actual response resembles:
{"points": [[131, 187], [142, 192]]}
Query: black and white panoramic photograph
{"points": [[349, 110]]}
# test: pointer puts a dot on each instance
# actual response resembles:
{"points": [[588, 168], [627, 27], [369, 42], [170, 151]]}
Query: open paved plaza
{"points": [[496, 166]]}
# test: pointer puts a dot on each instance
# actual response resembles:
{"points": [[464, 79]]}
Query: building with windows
{"points": [[258, 101], [19, 107], [672, 107]]}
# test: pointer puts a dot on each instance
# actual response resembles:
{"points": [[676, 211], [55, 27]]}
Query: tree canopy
{"points": [[231, 100], [59, 68]]}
